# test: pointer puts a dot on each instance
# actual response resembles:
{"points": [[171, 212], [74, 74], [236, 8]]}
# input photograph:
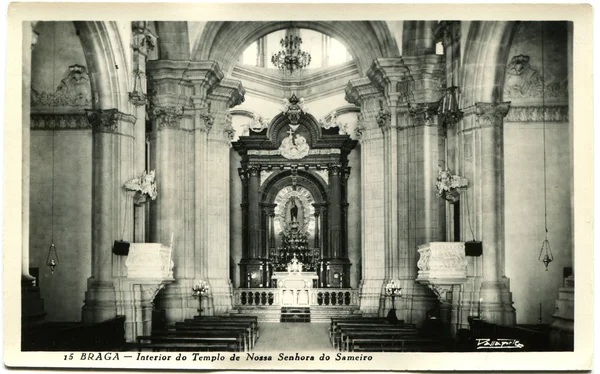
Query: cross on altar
{"points": [[290, 131]]}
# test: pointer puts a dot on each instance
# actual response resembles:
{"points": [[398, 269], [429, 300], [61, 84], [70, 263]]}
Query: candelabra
{"points": [[198, 290], [393, 290]]}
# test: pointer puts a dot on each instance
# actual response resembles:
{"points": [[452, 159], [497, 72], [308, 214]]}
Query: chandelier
{"points": [[291, 57]]}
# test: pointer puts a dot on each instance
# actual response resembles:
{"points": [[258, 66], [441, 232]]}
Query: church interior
{"points": [[394, 186]]}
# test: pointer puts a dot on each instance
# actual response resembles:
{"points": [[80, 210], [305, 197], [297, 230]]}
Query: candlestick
{"points": [[479, 308], [540, 319]]}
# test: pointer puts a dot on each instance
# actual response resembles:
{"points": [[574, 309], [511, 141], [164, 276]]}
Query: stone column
{"points": [[174, 114], [32, 305], [496, 305], [252, 260], [418, 38], [112, 211], [361, 92], [411, 214], [29, 38], [335, 212], [227, 94], [143, 42]]}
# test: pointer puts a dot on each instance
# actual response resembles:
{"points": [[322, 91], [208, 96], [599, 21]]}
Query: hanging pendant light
{"points": [[291, 57], [52, 259], [545, 255]]}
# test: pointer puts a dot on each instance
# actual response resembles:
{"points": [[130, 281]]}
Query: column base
{"points": [[177, 301], [371, 298], [220, 300], [562, 329], [100, 302], [32, 304], [416, 301], [135, 299], [496, 303]]}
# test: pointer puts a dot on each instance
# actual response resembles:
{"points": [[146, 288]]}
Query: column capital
{"points": [[360, 90], [107, 120], [166, 117], [253, 171], [392, 77], [491, 114], [227, 93], [424, 114], [335, 169]]}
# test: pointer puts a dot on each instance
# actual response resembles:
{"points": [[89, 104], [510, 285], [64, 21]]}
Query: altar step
{"points": [[264, 313], [325, 313], [318, 313], [295, 314]]}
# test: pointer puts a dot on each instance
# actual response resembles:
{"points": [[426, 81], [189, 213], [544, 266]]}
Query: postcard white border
{"points": [[581, 15]]}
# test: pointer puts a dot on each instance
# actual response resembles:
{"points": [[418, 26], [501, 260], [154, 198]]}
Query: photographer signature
{"points": [[499, 344]]}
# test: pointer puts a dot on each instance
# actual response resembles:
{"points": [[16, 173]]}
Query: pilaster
{"points": [[225, 95], [483, 133], [407, 119], [365, 95], [181, 119], [112, 218]]}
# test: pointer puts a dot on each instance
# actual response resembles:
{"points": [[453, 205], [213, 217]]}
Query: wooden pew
{"points": [[252, 319], [336, 333], [398, 343], [241, 333], [208, 325], [207, 343], [184, 347], [356, 320], [346, 336]]}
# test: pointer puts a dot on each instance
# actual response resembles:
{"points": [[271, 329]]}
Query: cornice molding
{"points": [[60, 121], [533, 113]]}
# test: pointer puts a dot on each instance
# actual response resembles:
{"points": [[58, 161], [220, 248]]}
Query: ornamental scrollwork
{"points": [[73, 90]]}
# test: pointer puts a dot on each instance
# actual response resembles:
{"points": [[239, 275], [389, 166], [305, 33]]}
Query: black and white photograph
{"points": [[284, 186]]}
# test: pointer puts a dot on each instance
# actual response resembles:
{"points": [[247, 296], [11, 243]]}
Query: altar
{"points": [[294, 287]]}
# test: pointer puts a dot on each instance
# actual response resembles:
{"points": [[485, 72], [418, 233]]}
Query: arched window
{"points": [[325, 51]]}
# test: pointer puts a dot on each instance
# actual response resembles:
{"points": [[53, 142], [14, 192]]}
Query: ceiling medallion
{"points": [[291, 57]]}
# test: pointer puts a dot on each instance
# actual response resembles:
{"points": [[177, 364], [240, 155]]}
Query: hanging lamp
{"points": [[52, 257], [545, 255]]}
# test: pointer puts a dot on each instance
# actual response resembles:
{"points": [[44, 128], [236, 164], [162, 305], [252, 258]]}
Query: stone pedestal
{"points": [[149, 269]]}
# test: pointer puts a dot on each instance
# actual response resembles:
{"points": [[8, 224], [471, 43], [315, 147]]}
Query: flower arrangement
{"points": [[200, 289], [447, 184], [145, 187]]}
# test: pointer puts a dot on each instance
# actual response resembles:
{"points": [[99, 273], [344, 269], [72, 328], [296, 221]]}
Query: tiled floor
{"points": [[291, 337]]}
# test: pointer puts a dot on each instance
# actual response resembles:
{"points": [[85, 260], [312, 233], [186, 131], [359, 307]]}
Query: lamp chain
{"points": [[544, 135]]}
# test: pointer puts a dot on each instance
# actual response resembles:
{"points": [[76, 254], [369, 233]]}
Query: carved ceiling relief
{"points": [[74, 90], [534, 70]]}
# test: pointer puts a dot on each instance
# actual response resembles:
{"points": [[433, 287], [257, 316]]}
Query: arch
{"points": [[277, 181], [104, 53], [224, 42], [308, 120], [487, 48]]}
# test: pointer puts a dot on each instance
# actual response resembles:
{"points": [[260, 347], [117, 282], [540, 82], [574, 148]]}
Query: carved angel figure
{"points": [[447, 184], [145, 187]]}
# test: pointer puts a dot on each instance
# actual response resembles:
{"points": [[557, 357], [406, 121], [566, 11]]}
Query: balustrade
{"points": [[317, 297]]}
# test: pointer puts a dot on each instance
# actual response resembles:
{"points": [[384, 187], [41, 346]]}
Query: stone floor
{"points": [[292, 337]]}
